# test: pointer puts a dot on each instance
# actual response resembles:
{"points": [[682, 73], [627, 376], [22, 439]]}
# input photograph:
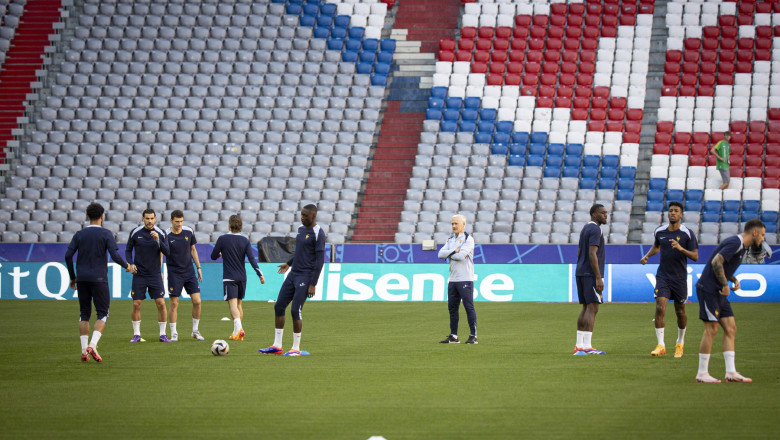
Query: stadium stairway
{"points": [[422, 24], [23, 58]]}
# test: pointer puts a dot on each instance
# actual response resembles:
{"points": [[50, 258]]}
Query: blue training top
{"points": [[92, 243], [180, 259], [234, 247], [147, 251], [590, 236], [732, 249], [309, 257], [674, 264]]}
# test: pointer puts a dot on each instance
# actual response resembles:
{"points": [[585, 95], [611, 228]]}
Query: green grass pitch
{"points": [[377, 369]]}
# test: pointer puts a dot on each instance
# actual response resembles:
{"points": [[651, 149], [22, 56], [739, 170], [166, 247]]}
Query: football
{"points": [[220, 348]]}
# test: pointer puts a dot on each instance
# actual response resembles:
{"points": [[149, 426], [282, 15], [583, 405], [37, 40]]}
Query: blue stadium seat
{"points": [[371, 44], [657, 183], [675, 195], [367, 57], [502, 149], [626, 183], [385, 57], [294, 9], [472, 102], [590, 172], [387, 45], [607, 183], [335, 44], [325, 20], [327, 9], [486, 126], [610, 161], [516, 160], [629, 172], [571, 171], [434, 102], [574, 149], [338, 32], [654, 205], [439, 92], [308, 20], [539, 137], [501, 137], [352, 44], [751, 205], [731, 205], [356, 32], [552, 172], [729, 216], [455, 102], [468, 126], [518, 149], [450, 126], [769, 217], [349, 56], [433, 113], [504, 126], [588, 183], [771, 228], [488, 114], [695, 195], [321, 32], [468, 114], [591, 161], [655, 194], [553, 160], [748, 215], [341, 21], [572, 161], [378, 79], [710, 216], [383, 68], [625, 194], [537, 148], [535, 160], [609, 172], [483, 137], [556, 149], [363, 67], [520, 137], [693, 205]]}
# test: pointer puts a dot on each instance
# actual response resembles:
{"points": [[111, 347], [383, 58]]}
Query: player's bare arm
{"points": [[312, 288], [720, 274], [283, 268], [194, 253], [653, 250], [594, 266], [693, 255]]}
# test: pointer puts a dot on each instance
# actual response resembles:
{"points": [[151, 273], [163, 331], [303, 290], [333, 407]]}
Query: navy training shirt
{"points": [[590, 236], [147, 251], [309, 257], [180, 258], [92, 243], [674, 264], [732, 249], [234, 247]]}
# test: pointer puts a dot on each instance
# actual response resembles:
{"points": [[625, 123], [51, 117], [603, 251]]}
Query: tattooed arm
{"points": [[720, 274]]}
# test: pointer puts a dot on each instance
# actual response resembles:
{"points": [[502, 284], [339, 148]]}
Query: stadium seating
{"points": [[214, 108], [532, 112]]}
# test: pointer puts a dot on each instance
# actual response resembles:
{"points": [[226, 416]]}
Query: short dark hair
{"points": [[726, 133], [148, 211], [595, 208], [235, 223], [310, 207], [177, 214], [754, 224], [677, 204], [95, 211]]}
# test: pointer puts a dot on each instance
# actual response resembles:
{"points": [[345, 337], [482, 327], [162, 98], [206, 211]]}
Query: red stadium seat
{"points": [[550, 67], [671, 79], [762, 55], [485, 32], [566, 79], [533, 67], [614, 126], [697, 161], [772, 162], [517, 56], [753, 172], [632, 138], [744, 67], [530, 79], [692, 44], [568, 67], [706, 90], [579, 114], [737, 148], [699, 149], [501, 45], [754, 149], [536, 44], [674, 56], [583, 92], [668, 90], [725, 79], [708, 67], [463, 55], [581, 102], [544, 102], [663, 138], [552, 56], [700, 137], [574, 20], [736, 171], [497, 67], [541, 20], [764, 8], [726, 20], [609, 31], [565, 91], [589, 43], [504, 32], [571, 44], [711, 32], [573, 32], [773, 125], [479, 67], [745, 55], [546, 90], [736, 160], [484, 44], [596, 125], [709, 56], [634, 127], [598, 114], [598, 101], [514, 67], [665, 126], [499, 56], [688, 79], [661, 148], [772, 182], [495, 79], [682, 138], [555, 32], [483, 56], [680, 149], [522, 21], [757, 126], [728, 44], [616, 114], [618, 102], [707, 79], [535, 56], [672, 67], [628, 20], [562, 102], [587, 67], [687, 91], [634, 114], [519, 32], [754, 161], [445, 55], [558, 9], [468, 32], [740, 126], [537, 31], [576, 8], [512, 79], [548, 79], [773, 149], [465, 44], [690, 67], [447, 44], [745, 43]]}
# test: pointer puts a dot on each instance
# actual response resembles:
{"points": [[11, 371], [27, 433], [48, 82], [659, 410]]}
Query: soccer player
{"points": [[150, 244], [181, 276], [590, 281], [677, 244], [91, 243], [460, 251], [233, 247], [301, 282], [721, 150], [714, 306]]}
